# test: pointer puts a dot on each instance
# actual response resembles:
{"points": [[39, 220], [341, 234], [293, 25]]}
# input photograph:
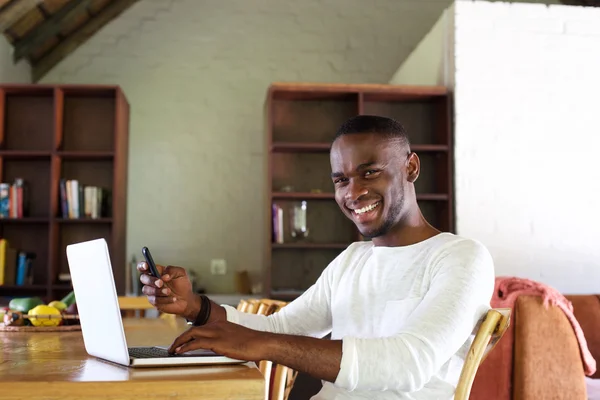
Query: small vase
{"points": [[298, 226]]}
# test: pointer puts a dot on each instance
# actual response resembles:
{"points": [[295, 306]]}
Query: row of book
{"points": [[16, 266], [83, 201], [14, 199]]}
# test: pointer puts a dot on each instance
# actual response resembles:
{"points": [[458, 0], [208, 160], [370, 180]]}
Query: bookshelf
{"points": [[57, 133], [301, 120]]}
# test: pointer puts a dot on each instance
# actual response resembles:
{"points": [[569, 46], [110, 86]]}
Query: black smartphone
{"points": [[150, 262]]}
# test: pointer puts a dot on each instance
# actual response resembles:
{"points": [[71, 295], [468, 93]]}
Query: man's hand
{"points": [[319, 358], [226, 338], [172, 293]]}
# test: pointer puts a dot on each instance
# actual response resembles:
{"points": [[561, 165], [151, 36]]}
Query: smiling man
{"points": [[400, 308]]}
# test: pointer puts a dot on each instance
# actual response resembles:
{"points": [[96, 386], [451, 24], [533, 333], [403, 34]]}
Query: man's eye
{"points": [[371, 172], [340, 180]]}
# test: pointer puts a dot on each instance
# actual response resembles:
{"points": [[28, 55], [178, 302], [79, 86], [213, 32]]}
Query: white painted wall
{"points": [[196, 75], [9, 72], [528, 138], [430, 63]]}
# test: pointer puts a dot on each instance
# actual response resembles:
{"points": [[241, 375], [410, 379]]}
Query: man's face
{"points": [[369, 173]]}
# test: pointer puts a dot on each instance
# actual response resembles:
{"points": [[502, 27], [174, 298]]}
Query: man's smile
{"points": [[366, 213]]}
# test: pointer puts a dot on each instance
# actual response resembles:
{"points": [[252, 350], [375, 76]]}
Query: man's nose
{"points": [[355, 190]]}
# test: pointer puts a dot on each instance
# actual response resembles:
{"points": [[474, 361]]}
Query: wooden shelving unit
{"points": [[54, 132], [301, 120]]}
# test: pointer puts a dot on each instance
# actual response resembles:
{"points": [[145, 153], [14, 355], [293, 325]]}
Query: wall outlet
{"points": [[218, 267]]}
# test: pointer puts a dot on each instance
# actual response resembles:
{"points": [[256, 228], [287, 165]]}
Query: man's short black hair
{"points": [[374, 124]]}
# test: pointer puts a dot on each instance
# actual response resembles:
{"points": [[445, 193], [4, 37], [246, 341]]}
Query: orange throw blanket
{"points": [[507, 290]]}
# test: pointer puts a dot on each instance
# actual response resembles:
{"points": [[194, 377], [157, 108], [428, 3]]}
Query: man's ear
{"points": [[413, 167]]}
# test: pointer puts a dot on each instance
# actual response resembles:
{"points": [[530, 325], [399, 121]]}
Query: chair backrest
{"points": [[279, 380], [488, 332], [130, 305]]}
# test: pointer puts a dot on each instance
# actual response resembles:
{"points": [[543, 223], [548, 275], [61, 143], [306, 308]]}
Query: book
{"points": [[14, 199]]}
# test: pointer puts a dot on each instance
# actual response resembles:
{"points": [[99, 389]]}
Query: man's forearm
{"points": [[320, 358]]}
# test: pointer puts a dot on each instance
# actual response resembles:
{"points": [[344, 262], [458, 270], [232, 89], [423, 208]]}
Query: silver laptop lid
{"points": [[97, 301]]}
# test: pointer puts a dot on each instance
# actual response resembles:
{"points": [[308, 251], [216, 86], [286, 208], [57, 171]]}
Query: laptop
{"points": [[100, 316]]}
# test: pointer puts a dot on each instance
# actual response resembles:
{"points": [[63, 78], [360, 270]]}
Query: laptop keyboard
{"points": [[149, 352]]}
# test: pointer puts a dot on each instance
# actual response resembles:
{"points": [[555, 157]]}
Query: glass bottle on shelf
{"points": [[298, 226]]}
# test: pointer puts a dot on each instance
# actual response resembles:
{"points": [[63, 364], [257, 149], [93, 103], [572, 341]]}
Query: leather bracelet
{"points": [[204, 313]]}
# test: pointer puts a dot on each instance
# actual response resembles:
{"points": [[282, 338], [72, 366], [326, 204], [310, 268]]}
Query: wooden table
{"points": [[54, 365]]}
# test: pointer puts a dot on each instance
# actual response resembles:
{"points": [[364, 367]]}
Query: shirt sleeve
{"points": [[460, 291], [308, 315]]}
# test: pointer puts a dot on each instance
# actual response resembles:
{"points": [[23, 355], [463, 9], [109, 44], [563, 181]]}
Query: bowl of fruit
{"points": [[32, 314]]}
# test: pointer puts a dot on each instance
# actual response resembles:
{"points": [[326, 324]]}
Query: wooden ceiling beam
{"points": [[49, 28], [78, 37], [15, 11]]}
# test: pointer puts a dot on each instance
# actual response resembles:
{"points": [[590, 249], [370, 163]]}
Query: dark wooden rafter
{"points": [[46, 14], [43, 10], [10, 34], [79, 36], [14, 11], [49, 28]]}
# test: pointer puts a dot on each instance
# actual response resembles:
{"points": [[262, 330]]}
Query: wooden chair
{"points": [[278, 381], [489, 331], [130, 305]]}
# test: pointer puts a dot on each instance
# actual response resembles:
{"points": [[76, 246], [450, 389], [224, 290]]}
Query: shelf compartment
{"points": [[304, 172], [424, 120], [325, 222], [91, 172], [31, 239], [437, 214], [36, 175], [29, 121], [314, 118], [433, 176], [88, 121], [75, 233], [294, 271]]}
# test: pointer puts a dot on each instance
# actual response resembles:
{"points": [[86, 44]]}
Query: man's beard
{"points": [[388, 223]]}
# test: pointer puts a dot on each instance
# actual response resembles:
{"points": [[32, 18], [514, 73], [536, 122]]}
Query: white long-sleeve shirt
{"points": [[405, 316]]}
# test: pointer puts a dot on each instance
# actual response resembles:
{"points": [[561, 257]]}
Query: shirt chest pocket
{"points": [[396, 314]]}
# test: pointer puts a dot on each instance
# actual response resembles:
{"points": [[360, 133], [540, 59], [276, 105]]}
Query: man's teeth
{"points": [[367, 208]]}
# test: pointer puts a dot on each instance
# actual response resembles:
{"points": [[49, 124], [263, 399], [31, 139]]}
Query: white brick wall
{"points": [[9, 72], [196, 74], [527, 138]]}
